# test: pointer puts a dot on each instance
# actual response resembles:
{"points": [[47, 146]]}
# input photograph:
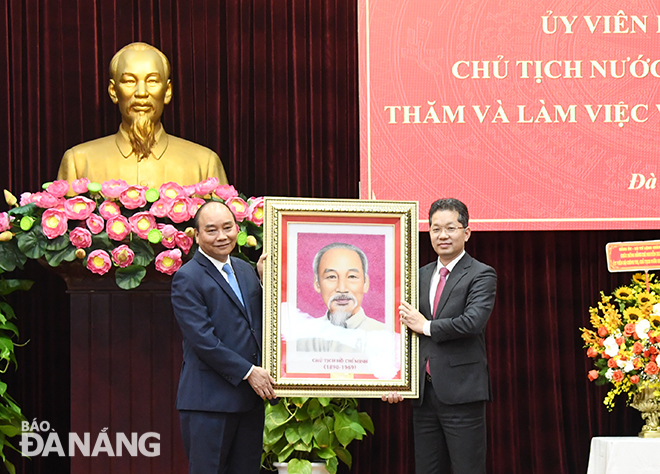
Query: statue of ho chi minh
{"points": [[141, 152]]}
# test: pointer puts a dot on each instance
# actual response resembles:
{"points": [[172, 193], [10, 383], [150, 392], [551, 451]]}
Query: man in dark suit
{"points": [[217, 303], [456, 298]]}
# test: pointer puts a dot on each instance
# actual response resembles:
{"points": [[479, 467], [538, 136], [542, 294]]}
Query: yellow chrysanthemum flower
{"points": [[624, 293], [632, 315]]}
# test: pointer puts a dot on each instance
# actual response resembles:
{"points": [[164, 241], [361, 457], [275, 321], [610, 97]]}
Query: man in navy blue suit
{"points": [[217, 303]]}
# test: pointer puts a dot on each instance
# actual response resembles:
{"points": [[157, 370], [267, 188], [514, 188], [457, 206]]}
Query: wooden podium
{"points": [[125, 364]]}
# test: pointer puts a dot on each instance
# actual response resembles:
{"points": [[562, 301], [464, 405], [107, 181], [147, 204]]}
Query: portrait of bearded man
{"points": [[141, 152]]}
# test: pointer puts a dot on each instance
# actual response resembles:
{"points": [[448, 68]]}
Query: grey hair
{"points": [[339, 245]]}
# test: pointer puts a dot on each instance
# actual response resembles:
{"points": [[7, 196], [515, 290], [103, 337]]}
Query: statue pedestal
{"points": [[125, 364]]}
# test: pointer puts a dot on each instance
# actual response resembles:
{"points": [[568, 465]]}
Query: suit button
{"points": [[254, 355], [252, 330]]}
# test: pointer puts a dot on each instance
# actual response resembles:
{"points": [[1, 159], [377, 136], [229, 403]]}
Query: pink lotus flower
{"points": [[189, 190], [99, 262], [58, 188], [207, 186], [79, 208], [169, 235], [27, 198], [226, 191], [123, 256], [194, 205], [160, 208], [256, 210], [183, 242], [79, 186], [46, 200], [80, 237], [239, 207], [142, 223], [4, 221], [118, 227], [113, 188], [133, 197], [54, 223], [178, 210], [95, 224], [168, 261], [109, 209], [170, 191]]}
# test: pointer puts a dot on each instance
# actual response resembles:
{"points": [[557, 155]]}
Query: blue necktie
{"points": [[231, 279]]}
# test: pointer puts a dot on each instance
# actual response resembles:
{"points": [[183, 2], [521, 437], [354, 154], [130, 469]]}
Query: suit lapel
{"points": [[459, 271], [220, 280], [425, 286]]}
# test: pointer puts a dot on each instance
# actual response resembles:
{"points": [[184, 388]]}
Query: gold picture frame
{"points": [[359, 348]]}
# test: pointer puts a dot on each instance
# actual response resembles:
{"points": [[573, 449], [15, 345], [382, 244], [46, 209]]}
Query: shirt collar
{"points": [[450, 266], [217, 263], [126, 150]]}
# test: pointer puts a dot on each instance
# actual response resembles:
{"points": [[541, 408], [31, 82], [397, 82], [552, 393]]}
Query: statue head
{"points": [[140, 85]]}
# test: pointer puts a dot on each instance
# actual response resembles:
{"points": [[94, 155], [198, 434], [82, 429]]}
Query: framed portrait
{"points": [[336, 273]]}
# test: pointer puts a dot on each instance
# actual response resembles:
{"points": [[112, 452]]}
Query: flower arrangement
{"points": [[625, 340], [114, 224]]}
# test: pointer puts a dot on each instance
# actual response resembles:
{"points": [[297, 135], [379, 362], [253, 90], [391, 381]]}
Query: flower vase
{"points": [[317, 468], [648, 403]]}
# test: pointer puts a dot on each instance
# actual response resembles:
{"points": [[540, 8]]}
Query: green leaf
{"points": [[291, 434], [322, 433], [344, 456], [58, 243], [6, 326], [130, 277], [11, 285], [314, 408], [298, 401], [54, 258], [33, 243], [27, 210], [306, 431], [10, 256], [366, 422], [101, 241], [276, 415], [299, 466], [144, 252], [331, 465], [324, 401], [325, 453], [284, 453], [273, 436], [343, 429]]}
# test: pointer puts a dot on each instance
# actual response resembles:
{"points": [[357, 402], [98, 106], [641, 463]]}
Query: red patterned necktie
{"points": [[438, 292]]}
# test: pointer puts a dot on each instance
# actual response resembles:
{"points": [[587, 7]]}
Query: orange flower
{"points": [[651, 368]]}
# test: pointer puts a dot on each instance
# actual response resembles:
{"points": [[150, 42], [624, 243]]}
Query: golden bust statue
{"points": [[141, 152]]}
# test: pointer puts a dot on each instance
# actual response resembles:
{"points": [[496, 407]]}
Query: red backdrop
{"points": [[537, 115]]}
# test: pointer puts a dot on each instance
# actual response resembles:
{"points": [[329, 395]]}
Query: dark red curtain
{"points": [[272, 87]]}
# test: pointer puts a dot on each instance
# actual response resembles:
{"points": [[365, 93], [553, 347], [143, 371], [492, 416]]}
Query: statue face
{"points": [[140, 86]]}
